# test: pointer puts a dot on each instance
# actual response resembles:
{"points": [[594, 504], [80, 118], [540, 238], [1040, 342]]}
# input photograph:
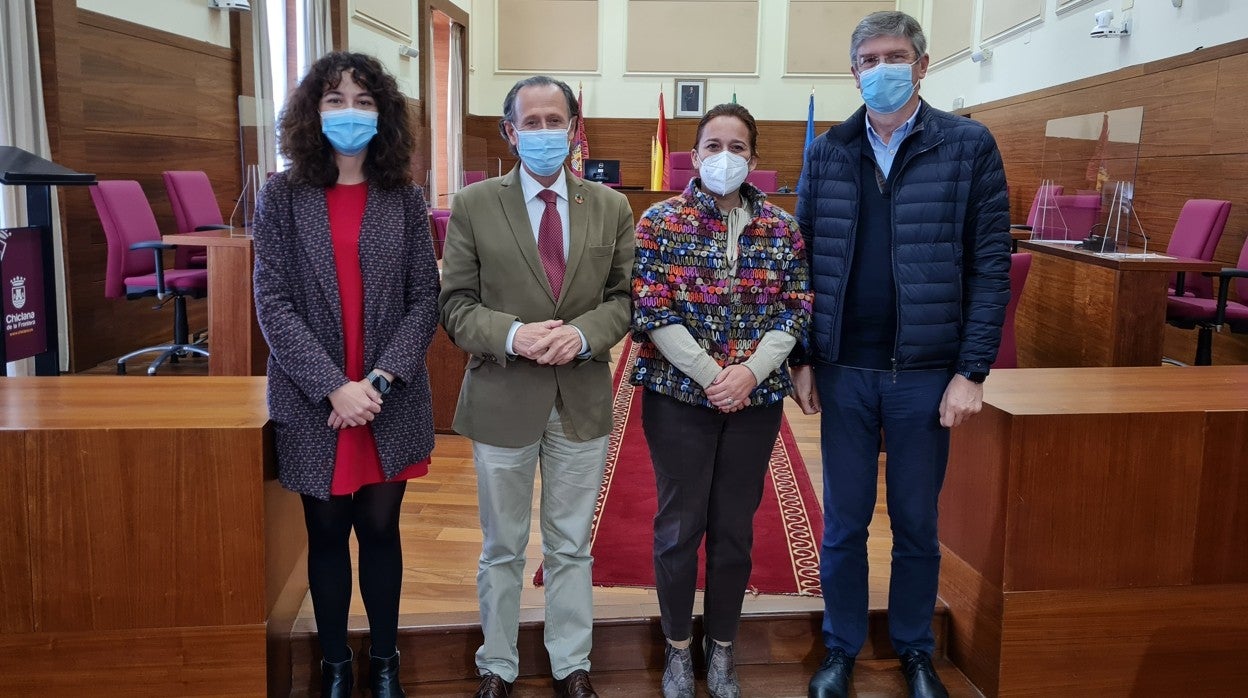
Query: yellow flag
{"points": [[656, 165]]}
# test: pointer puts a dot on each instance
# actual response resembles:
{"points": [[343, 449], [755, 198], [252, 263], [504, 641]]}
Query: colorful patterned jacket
{"points": [[682, 275]]}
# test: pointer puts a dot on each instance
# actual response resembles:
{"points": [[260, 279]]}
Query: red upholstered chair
{"points": [[1196, 235], [681, 170], [1007, 355], [439, 218], [765, 180], [194, 208], [135, 268], [1208, 315], [1042, 206], [472, 176]]}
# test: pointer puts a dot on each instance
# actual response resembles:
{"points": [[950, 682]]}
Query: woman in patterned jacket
{"points": [[346, 288], [721, 296]]}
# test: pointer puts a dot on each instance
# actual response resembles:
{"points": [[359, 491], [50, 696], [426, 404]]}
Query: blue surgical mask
{"points": [[543, 151], [887, 87], [349, 130]]}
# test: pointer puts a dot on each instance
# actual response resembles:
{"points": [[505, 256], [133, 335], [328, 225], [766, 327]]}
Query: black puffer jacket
{"points": [[951, 241]]}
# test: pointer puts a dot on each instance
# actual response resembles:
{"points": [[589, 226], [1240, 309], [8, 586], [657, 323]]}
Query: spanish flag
{"points": [[580, 145], [660, 172]]}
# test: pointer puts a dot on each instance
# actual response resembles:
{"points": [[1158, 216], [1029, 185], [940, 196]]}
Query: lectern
{"points": [[28, 284]]}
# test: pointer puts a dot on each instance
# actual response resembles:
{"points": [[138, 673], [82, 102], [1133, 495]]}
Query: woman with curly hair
{"points": [[346, 289]]}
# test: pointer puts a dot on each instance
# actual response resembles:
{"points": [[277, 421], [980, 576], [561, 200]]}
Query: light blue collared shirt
{"points": [[535, 208], [885, 152]]}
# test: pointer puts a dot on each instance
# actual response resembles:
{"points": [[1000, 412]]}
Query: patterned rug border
{"points": [[799, 534]]}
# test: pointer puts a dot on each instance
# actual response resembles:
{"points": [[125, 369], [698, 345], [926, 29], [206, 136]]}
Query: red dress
{"points": [[356, 463]]}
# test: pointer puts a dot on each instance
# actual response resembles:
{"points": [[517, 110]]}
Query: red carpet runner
{"points": [[787, 526]]}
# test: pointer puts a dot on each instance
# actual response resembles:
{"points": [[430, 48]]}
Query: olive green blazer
{"points": [[492, 276]]}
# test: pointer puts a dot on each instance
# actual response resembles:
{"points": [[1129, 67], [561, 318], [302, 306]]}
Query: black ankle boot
{"points": [[337, 679], [383, 676]]}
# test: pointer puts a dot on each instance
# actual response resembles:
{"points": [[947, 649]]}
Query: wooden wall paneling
{"points": [[1221, 552], [1055, 507], [1192, 146], [1169, 641], [976, 606], [150, 565], [101, 574], [157, 88], [16, 585], [135, 101], [974, 499], [1069, 280], [446, 363], [1230, 103], [780, 144], [1178, 110], [286, 571], [217, 661]]}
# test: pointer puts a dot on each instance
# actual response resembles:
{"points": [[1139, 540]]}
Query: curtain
{"points": [[262, 114], [455, 110], [23, 124], [318, 39]]}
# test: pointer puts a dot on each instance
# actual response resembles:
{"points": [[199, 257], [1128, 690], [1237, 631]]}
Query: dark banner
{"points": [[21, 287]]}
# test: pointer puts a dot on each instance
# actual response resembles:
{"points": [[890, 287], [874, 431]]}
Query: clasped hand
{"points": [[730, 391], [355, 404], [550, 343]]}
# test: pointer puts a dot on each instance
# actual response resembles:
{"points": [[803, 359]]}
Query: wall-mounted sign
{"points": [[21, 294]]}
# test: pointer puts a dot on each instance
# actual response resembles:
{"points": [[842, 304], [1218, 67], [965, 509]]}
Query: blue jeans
{"points": [[857, 404]]}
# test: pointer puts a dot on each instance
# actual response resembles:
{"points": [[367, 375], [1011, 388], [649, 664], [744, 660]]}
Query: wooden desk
{"points": [[1094, 523], [235, 345], [1085, 309], [146, 547]]}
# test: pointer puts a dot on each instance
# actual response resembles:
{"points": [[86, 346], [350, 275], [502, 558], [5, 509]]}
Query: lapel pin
{"points": [[579, 199]]}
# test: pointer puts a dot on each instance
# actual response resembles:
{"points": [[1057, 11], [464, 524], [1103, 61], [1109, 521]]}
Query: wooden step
{"points": [[441, 650], [873, 678]]}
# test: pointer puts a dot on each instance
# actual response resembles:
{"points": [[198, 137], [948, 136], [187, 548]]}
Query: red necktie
{"points": [[550, 241]]}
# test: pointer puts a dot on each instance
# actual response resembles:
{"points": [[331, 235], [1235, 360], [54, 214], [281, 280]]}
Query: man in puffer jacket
{"points": [[905, 216]]}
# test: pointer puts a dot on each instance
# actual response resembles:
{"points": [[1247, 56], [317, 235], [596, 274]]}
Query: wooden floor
{"points": [[442, 536], [442, 541]]}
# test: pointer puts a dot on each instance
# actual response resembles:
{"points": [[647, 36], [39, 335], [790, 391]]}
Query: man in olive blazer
{"points": [[537, 387]]}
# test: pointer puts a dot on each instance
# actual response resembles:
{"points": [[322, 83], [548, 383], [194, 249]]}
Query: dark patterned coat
{"points": [[297, 305]]}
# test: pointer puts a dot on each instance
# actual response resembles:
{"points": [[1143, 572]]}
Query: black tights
{"points": [[373, 512]]}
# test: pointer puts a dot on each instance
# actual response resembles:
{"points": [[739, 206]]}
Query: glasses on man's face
{"points": [[895, 58]]}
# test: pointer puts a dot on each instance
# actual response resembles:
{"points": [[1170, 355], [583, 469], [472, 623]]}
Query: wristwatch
{"points": [[380, 382], [974, 376]]}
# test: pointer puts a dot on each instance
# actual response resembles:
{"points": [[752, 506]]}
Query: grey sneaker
{"points": [[721, 671], [677, 673]]}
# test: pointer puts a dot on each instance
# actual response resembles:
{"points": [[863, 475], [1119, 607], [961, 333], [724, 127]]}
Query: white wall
{"points": [[1059, 50], [365, 38], [609, 93], [190, 18]]}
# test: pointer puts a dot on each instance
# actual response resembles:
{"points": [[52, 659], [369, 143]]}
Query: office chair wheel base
{"points": [[121, 369]]}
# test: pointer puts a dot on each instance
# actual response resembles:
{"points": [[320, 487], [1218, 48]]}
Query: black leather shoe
{"points": [[383, 676], [920, 676], [834, 676], [337, 678], [575, 685], [492, 686]]}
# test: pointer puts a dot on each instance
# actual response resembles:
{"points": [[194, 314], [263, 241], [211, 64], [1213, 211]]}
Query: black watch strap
{"points": [[379, 382], [974, 376]]}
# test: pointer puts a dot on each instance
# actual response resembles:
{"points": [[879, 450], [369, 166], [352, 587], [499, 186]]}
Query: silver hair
{"points": [[887, 23]]}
